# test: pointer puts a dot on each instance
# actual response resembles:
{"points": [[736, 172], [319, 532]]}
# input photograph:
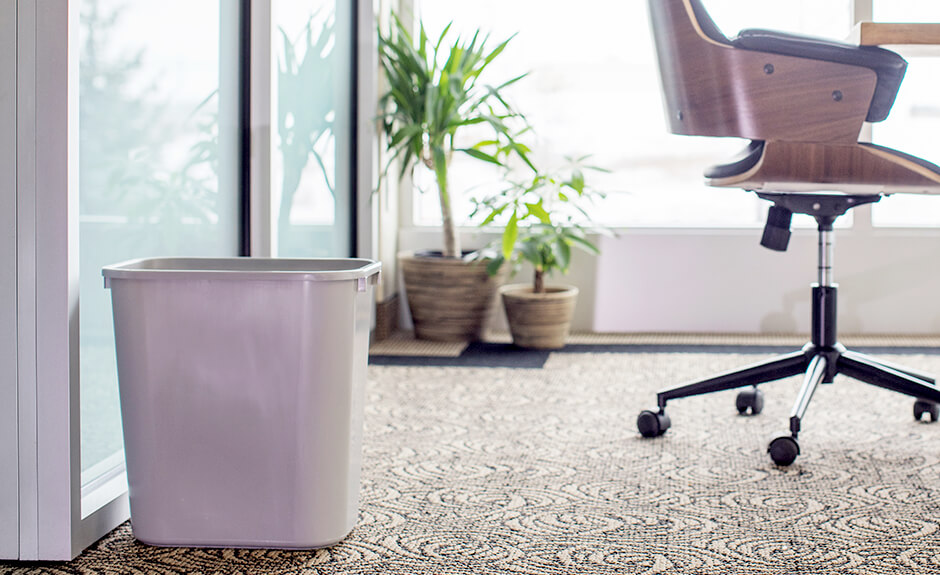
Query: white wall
{"points": [[583, 272], [9, 508], [726, 282], [723, 281]]}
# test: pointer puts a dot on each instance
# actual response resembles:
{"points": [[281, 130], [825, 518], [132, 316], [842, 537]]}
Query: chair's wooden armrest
{"points": [[881, 33]]}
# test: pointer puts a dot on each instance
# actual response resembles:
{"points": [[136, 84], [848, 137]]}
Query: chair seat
{"points": [[887, 65], [740, 164], [860, 168], [802, 102], [919, 161]]}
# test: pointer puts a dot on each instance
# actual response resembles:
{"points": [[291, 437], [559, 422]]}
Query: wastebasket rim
{"points": [[298, 269]]}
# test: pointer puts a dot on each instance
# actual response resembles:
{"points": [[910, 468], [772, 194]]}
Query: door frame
{"points": [[56, 519], [9, 436]]}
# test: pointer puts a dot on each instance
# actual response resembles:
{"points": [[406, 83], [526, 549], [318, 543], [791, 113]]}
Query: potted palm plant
{"points": [[435, 92], [547, 218]]}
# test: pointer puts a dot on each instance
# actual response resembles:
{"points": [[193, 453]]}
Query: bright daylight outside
{"points": [[594, 89], [155, 141], [158, 170], [158, 155], [310, 95], [915, 118]]}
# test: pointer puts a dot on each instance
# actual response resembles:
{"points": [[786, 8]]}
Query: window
{"points": [[593, 88], [915, 118], [159, 154], [311, 126], [124, 141], [158, 107]]}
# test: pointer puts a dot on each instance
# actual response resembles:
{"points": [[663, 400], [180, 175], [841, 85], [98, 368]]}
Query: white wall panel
{"points": [[723, 281]]}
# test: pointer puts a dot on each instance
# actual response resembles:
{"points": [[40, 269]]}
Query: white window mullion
{"points": [[345, 169], [862, 11], [405, 9], [366, 67], [262, 236], [9, 449], [229, 96]]}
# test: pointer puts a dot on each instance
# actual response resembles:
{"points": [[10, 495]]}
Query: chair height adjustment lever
{"points": [[777, 229]]}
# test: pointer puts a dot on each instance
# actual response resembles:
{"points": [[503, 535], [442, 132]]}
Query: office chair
{"points": [[802, 103]]}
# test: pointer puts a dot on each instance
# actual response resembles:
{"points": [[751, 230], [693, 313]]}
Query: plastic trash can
{"points": [[242, 389]]}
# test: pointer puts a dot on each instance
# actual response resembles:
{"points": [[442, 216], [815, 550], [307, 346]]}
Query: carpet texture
{"points": [[541, 471]]}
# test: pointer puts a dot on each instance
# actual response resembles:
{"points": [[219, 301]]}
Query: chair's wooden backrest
{"points": [[711, 88]]}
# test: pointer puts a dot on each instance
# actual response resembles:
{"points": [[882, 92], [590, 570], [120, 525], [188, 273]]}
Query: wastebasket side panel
{"points": [[324, 408], [239, 400], [360, 367]]}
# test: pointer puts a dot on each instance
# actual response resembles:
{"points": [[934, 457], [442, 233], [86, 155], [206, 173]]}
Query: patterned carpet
{"points": [[541, 471]]}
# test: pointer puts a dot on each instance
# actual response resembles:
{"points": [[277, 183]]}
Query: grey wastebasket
{"points": [[242, 388]]}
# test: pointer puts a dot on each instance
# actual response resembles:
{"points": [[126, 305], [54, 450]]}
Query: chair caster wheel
{"points": [[752, 399], [652, 424], [784, 450], [922, 406]]}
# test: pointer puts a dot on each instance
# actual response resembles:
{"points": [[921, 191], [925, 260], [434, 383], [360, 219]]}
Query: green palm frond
{"points": [[434, 91], [549, 212]]}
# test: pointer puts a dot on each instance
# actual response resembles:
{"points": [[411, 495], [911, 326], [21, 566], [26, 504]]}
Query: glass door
{"points": [[124, 118], [311, 118], [158, 168], [121, 137]]}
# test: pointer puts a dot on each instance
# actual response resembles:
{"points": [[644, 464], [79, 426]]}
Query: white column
{"points": [[50, 521], [393, 209], [42, 280], [367, 101], [9, 480]]}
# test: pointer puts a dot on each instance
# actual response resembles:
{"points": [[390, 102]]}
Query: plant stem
{"points": [[539, 286], [451, 241]]}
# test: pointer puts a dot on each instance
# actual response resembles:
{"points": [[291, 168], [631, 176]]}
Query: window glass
{"points": [[593, 88], [906, 11], [311, 127], [915, 117], [157, 165]]}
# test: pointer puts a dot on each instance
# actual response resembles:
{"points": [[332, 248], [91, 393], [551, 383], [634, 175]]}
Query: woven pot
{"points": [[449, 299], [539, 320]]}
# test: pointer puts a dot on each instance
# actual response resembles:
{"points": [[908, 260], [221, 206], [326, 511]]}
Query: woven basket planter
{"points": [[449, 299], [539, 320]]}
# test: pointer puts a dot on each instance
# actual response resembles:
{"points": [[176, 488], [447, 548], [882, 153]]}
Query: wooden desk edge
{"points": [[882, 33]]}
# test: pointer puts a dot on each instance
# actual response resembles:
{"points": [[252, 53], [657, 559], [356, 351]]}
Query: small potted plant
{"points": [[435, 93], [547, 218]]}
